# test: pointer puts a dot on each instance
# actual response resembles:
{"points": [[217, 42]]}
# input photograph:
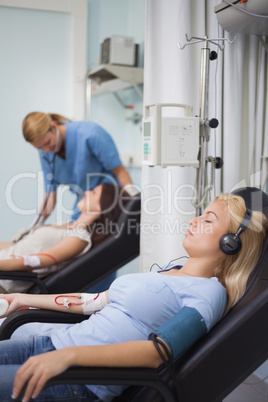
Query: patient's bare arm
{"points": [[71, 302], [40, 369]]}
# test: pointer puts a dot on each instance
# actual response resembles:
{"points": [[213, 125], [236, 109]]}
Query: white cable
{"points": [[245, 11], [211, 159], [256, 382], [265, 183]]}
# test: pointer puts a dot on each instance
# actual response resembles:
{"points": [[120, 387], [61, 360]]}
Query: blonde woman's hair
{"points": [[234, 271], [36, 124]]}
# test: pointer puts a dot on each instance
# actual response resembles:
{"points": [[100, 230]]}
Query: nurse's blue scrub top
{"points": [[90, 155]]}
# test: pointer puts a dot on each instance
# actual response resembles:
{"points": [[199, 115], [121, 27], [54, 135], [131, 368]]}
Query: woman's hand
{"points": [[14, 301], [37, 371]]}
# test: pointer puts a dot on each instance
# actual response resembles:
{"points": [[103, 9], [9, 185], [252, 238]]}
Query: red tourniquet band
{"points": [[48, 255], [67, 301]]}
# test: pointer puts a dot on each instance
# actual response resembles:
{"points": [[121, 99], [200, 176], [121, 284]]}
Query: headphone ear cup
{"points": [[230, 244]]}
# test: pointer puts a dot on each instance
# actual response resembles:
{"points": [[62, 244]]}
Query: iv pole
{"points": [[205, 123]]}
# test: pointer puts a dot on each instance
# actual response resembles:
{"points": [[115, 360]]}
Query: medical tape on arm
{"points": [[92, 302], [33, 260], [29, 260]]}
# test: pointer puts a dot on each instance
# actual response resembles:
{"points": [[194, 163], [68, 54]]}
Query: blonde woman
{"points": [[209, 283], [80, 154]]}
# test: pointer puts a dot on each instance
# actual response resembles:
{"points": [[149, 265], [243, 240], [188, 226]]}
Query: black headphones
{"points": [[230, 243]]}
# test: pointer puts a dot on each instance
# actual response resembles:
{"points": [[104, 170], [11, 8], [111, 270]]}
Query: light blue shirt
{"points": [[139, 303], [90, 155]]}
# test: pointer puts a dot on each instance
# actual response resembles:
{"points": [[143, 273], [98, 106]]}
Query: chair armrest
{"points": [[15, 320], [86, 375], [24, 276], [116, 376]]}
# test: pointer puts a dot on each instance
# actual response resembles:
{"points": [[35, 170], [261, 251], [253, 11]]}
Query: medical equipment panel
{"points": [[151, 142], [246, 18], [180, 141], [170, 141], [118, 49]]}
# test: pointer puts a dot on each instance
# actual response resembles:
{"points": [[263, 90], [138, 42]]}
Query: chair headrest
{"points": [[131, 208], [255, 199]]}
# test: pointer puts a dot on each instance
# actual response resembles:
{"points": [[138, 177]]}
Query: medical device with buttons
{"points": [[169, 140]]}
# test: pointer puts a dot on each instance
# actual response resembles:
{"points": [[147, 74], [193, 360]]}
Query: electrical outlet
{"points": [[131, 159]]}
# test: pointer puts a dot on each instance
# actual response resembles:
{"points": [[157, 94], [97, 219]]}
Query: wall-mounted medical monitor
{"points": [[238, 18]]}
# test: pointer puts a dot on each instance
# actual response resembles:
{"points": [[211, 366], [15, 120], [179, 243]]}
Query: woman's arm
{"points": [[50, 205], [52, 302], [63, 251], [122, 175], [177, 335], [39, 369]]}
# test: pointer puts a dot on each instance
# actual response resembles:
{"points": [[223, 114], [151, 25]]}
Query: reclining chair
{"points": [[207, 371], [100, 261]]}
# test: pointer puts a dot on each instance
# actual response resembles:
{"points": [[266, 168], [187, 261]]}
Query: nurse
{"points": [[80, 154]]}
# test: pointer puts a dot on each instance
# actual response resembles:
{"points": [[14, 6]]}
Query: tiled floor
{"points": [[249, 393]]}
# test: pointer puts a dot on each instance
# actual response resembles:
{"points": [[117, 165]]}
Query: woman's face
{"points": [[203, 236], [91, 201], [51, 141]]}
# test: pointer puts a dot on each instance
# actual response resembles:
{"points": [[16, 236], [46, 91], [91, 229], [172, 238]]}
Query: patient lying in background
{"points": [[48, 248]]}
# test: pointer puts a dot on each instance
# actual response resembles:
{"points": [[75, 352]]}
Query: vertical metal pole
{"points": [[204, 128], [88, 97]]}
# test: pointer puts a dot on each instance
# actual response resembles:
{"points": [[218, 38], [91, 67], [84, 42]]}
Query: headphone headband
{"points": [[230, 243], [245, 222]]}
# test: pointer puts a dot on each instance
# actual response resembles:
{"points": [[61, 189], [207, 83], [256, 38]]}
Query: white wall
{"points": [[120, 17], [35, 75]]}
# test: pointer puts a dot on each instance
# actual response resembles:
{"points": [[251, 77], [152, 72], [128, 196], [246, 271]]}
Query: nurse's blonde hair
{"points": [[233, 272], [36, 124]]}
